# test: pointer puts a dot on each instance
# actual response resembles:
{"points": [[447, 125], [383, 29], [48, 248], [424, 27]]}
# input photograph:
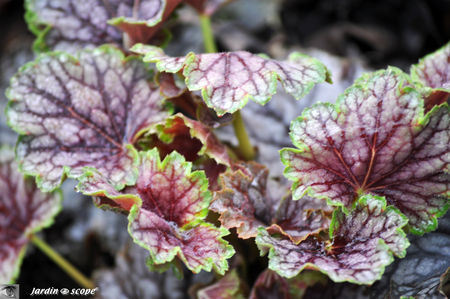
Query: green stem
{"points": [[62, 263], [245, 147], [208, 36]]}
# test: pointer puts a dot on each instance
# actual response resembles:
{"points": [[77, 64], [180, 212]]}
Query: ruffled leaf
{"points": [[70, 25], [375, 140], [168, 217], [207, 7], [434, 69], [360, 246], [242, 202], [142, 19], [297, 219], [23, 210], [195, 141], [228, 287], [77, 112], [246, 203], [433, 74], [181, 127], [228, 80]]}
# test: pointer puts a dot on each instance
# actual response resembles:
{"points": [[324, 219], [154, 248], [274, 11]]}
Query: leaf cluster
{"points": [[140, 140]]}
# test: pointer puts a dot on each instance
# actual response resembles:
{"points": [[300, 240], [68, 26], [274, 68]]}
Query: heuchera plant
{"points": [[101, 110]]}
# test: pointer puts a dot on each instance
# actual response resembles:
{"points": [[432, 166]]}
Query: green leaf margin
{"points": [[152, 54], [422, 119], [45, 224], [104, 49], [334, 225]]}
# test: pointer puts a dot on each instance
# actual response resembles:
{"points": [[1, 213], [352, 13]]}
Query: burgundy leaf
{"points": [[168, 217], [23, 210], [142, 19], [94, 183], [375, 140], [170, 85], [228, 80], [207, 7], [228, 287], [190, 103], [70, 25], [246, 202], [435, 98], [195, 141], [77, 112], [179, 125], [360, 247]]}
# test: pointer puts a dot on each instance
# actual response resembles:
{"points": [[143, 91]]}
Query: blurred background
{"points": [[349, 36]]}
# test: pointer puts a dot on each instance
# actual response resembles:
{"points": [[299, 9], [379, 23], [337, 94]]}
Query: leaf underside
{"points": [[77, 112], [297, 219], [242, 201], [375, 140], [361, 245], [434, 69], [228, 80], [23, 210], [245, 202], [185, 129]]}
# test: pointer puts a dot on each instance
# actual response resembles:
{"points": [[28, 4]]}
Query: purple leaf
{"points": [[228, 287], [70, 25], [361, 245], [24, 210], [85, 111], [168, 217], [297, 219], [142, 19], [228, 80], [433, 73], [270, 285], [375, 140], [245, 202], [434, 69]]}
